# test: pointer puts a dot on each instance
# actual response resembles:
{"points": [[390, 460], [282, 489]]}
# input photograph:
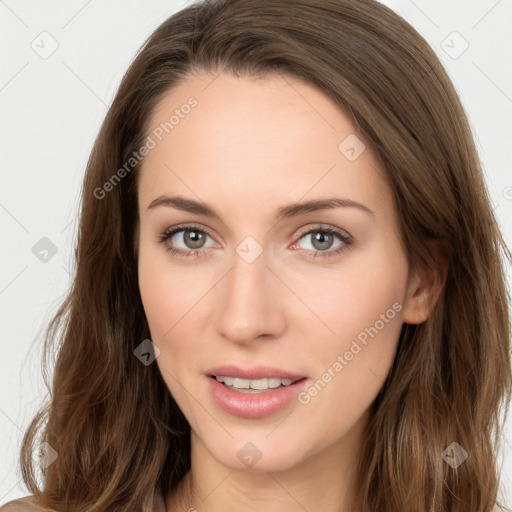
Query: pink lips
{"points": [[253, 405]]}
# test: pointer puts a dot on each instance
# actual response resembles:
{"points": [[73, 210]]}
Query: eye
{"points": [[321, 240], [193, 238]]}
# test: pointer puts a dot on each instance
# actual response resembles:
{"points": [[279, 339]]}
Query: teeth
{"points": [[273, 382]]}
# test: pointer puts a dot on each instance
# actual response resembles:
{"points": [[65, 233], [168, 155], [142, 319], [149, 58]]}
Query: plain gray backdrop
{"points": [[61, 63]]}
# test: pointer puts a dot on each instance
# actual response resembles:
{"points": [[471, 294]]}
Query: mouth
{"points": [[253, 393], [255, 386]]}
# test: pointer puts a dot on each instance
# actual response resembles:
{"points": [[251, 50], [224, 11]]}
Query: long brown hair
{"points": [[119, 434]]}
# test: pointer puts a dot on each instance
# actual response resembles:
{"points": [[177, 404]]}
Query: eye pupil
{"points": [[323, 238], [194, 238]]}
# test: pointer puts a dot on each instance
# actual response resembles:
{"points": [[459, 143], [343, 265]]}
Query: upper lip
{"points": [[256, 372]]}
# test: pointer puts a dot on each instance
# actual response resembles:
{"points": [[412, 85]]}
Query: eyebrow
{"points": [[285, 212]]}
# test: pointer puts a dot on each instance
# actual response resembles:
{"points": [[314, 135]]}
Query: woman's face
{"points": [[265, 288]]}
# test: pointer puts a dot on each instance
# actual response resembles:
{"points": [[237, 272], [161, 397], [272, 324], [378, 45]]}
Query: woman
{"points": [[289, 291]]}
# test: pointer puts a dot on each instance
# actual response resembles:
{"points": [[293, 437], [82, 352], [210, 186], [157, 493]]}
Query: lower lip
{"points": [[253, 405]]}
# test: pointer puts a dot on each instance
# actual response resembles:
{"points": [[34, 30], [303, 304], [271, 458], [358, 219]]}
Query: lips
{"points": [[257, 404], [256, 372]]}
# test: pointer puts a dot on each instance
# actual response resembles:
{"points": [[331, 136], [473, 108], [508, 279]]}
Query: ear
{"points": [[425, 287]]}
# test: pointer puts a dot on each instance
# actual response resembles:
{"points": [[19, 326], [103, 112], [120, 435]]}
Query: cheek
{"points": [[363, 308], [167, 290], [351, 297], [163, 293], [174, 297], [154, 291], [171, 299]]}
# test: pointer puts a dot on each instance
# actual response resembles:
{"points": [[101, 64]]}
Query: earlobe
{"points": [[424, 288]]}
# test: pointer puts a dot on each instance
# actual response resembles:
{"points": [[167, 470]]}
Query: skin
{"points": [[250, 147]]}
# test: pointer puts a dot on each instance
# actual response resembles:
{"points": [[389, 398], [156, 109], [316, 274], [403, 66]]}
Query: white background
{"points": [[51, 110]]}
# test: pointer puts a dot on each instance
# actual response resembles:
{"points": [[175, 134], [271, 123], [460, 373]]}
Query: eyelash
{"points": [[346, 239]]}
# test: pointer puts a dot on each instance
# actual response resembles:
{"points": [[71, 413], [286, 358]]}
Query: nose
{"points": [[250, 302]]}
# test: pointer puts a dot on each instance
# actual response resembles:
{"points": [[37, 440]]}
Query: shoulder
{"points": [[26, 504]]}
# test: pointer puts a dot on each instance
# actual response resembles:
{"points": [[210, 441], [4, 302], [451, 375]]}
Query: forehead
{"points": [[256, 138]]}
